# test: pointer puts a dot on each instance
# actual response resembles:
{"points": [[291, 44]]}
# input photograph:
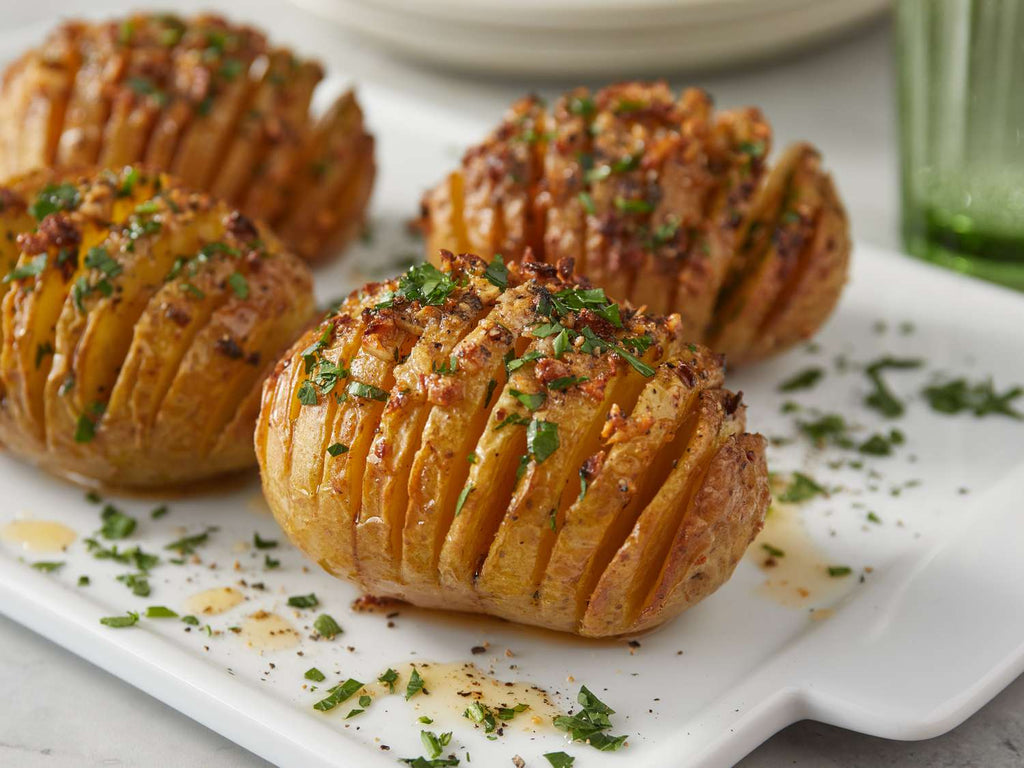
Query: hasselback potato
{"points": [[662, 202], [509, 441], [138, 322], [209, 101]]}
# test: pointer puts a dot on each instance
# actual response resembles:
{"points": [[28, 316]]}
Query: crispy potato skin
{"points": [[138, 321], [662, 202], [512, 443], [209, 101]]}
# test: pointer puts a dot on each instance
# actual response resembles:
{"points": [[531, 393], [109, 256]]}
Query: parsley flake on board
{"points": [[160, 612], [326, 626], [881, 398], [120, 622], [591, 723], [315, 675], [48, 566], [415, 684], [980, 398], [303, 601], [801, 488], [261, 543], [389, 678], [837, 571], [116, 524], [803, 380], [187, 545], [337, 695], [559, 759]]}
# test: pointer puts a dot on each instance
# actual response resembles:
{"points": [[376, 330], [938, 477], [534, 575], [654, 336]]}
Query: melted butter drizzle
{"points": [[38, 535]]}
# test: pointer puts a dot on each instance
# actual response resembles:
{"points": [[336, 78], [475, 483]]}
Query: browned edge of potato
{"points": [[508, 441], [138, 320], [211, 102], [663, 202]]}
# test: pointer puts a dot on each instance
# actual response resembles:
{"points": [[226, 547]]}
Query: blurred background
{"points": [[840, 73]]}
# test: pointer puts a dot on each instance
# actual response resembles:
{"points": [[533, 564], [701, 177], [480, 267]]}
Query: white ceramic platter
{"points": [[612, 38], [929, 634]]}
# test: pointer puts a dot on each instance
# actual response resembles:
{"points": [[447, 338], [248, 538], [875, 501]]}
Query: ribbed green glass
{"points": [[961, 92]]}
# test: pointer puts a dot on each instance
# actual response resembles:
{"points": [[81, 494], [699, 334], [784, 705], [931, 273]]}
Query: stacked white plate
{"points": [[552, 38]]}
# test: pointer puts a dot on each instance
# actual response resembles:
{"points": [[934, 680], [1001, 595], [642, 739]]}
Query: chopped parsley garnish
{"points": [[880, 445], [980, 398], [53, 198], [803, 380], [99, 258], [435, 743], [491, 385], [336, 449], [514, 364], [138, 583], [422, 762], [190, 620], [415, 684], [516, 419], [239, 285], [836, 571], [881, 398], [83, 581], [588, 203], [303, 601], [186, 545], [31, 268], [497, 273], [160, 612], [159, 512], [270, 563], [463, 495], [627, 205], [873, 518], [119, 622], [261, 543], [773, 551], [531, 400], [132, 556], [315, 675], [831, 427], [338, 694], [48, 566], [591, 723], [326, 626], [582, 105], [559, 759], [541, 439], [389, 678], [801, 488], [564, 382], [424, 283], [116, 524], [306, 393], [368, 391], [85, 429]]}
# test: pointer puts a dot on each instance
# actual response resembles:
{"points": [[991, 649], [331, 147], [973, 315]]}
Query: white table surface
{"points": [[60, 712]]}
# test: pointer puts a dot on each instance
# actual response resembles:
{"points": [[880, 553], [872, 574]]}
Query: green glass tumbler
{"points": [[961, 99]]}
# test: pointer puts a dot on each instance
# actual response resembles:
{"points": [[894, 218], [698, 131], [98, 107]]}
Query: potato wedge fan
{"points": [[211, 102], [138, 323], [660, 201], [508, 441]]}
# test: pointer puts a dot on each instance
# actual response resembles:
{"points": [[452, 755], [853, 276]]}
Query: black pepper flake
{"points": [[229, 348], [476, 650]]}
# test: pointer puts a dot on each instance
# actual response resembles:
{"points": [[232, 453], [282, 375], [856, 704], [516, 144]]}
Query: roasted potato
{"points": [[138, 323], [208, 101], [509, 441], [661, 202]]}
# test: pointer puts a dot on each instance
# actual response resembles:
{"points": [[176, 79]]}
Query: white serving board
{"points": [[932, 633]]}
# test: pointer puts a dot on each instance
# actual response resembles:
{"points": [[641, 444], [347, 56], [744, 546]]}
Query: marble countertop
{"points": [[61, 712]]}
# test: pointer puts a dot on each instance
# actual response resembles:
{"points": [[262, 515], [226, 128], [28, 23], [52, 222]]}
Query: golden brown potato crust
{"points": [[662, 202], [211, 102], [137, 323], [511, 443]]}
